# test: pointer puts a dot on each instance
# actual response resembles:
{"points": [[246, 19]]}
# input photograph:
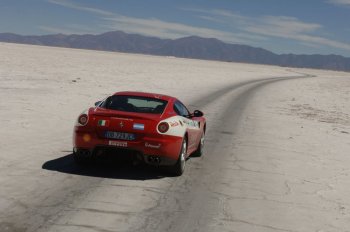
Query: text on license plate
{"points": [[118, 143], [119, 135]]}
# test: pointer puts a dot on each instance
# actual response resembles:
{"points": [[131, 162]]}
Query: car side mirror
{"points": [[98, 103], [197, 113]]}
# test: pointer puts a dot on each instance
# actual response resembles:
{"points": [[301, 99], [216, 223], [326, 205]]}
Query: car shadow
{"points": [[108, 168]]}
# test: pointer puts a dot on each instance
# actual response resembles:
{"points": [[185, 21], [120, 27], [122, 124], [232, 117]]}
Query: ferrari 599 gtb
{"points": [[155, 128]]}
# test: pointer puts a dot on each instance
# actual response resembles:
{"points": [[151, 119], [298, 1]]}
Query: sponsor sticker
{"points": [[157, 146], [186, 122], [103, 122], [138, 126], [196, 124], [173, 124], [118, 143]]}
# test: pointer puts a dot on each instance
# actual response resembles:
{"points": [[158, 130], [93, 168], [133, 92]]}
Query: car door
{"points": [[192, 126]]}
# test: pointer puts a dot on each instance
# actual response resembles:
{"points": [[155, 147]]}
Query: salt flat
{"points": [[277, 154]]}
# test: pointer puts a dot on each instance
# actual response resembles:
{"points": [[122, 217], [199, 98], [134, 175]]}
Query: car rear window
{"points": [[135, 104]]}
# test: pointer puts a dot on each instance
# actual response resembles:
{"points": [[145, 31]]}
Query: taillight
{"points": [[163, 127], [83, 119]]}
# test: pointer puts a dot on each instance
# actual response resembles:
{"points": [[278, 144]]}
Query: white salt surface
{"points": [[288, 171]]}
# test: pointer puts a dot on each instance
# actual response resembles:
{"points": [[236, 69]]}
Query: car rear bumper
{"points": [[162, 150]]}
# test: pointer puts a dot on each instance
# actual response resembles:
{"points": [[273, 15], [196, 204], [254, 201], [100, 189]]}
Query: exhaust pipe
{"points": [[157, 160], [154, 159]]}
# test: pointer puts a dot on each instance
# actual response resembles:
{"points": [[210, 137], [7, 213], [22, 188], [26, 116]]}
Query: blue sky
{"points": [[281, 26]]}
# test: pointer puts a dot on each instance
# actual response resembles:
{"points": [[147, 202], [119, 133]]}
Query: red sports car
{"points": [[154, 128]]}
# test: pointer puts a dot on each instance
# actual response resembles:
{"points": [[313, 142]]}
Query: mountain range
{"points": [[187, 47]]}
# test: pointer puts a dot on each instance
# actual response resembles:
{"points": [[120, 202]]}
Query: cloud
{"points": [[218, 14], [292, 28], [339, 2], [210, 18], [273, 26], [69, 4]]}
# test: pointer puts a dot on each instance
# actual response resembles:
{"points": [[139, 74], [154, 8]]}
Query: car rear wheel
{"points": [[179, 167], [81, 157]]}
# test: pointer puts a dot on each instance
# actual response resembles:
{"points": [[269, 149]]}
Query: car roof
{"points": [[144, 94]]}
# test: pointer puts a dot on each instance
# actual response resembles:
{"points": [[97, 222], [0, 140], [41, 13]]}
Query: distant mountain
{"points": [[188, 47]]}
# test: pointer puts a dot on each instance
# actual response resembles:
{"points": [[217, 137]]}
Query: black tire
{"points": [[200, 150], [79, 159], [179, 168]]}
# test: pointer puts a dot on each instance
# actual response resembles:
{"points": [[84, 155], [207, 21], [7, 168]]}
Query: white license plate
{"points": [[118, 143]]}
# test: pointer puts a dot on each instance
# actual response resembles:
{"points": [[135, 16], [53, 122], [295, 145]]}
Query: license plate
{"points": [[119, 135], [118, 143]]}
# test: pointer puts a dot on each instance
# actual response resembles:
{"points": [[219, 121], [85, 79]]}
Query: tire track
{"points": [[191, 203]]}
